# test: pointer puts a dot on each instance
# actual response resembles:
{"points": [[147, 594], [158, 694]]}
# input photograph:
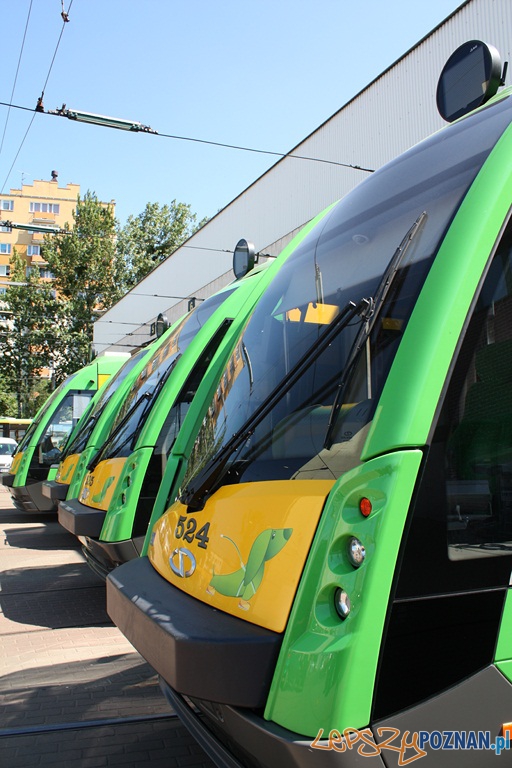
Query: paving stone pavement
{"points": [[72, 688]]}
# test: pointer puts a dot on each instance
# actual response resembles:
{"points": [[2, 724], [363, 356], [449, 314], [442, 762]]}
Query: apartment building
{"points": [[43, 204]]}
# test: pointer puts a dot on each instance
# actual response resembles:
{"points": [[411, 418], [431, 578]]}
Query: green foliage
{"points": [[89, 278], [8, 403], [41, 391], [85, 264], [31, 320], [149, 238], [48, 326]]}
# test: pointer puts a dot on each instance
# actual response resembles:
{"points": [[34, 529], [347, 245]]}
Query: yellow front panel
{"points": [[98, 486], [245, 551], [66, 469], [16, 463]]}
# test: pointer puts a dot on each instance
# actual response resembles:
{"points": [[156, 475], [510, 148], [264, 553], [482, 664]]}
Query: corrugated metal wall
{"points": [[394, 112]]}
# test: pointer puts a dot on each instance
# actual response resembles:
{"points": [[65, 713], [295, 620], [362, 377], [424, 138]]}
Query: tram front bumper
{"points": [[215, 671], [55, 491], [80, 520], [103, 556], [7, 480], [29, 498], [198, 650]]}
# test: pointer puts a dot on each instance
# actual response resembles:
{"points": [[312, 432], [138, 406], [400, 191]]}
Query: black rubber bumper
{"points": [[79, 519], [55, 491], [29, 498], [198, 650], [7, 480], [103, 556]]}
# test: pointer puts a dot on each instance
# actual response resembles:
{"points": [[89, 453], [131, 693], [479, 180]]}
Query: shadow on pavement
{"points": [[77, 599], [117, 686], [50, 536]]}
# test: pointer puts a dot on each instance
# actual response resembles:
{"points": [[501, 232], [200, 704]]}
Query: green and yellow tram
{"points": [[94, 428], [332, 587], [111, 511], [41, 447]]}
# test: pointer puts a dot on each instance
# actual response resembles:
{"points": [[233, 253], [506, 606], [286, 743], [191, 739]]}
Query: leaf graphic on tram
{"points": [[244, 582]]}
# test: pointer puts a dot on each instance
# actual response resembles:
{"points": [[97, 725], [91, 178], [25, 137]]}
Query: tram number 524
{"points": [[186, 528]]}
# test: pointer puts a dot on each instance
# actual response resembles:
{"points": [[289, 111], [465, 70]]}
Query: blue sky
{"points": [[256, 74]]}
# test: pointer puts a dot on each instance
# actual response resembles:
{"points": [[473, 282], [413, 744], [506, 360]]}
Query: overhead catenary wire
{"points": [[40, 100], [164, 296], [56, 48], [16, 75], [238, 147], [36, 287], [266, 152]]}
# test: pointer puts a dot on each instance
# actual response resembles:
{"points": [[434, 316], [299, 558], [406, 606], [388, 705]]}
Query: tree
{"points": [[149, 238], [28, 335], [8, 403], [89, 276]]}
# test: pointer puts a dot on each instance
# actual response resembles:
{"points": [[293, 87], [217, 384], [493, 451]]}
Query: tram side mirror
{"points": [[470, 77], [161, 325], [244, 258]]}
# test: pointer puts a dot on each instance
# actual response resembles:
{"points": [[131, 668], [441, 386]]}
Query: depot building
{"points": [[376, 125]]}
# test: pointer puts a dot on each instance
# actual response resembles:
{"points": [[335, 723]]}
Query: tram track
{"points": [[83, 725], [73, 691], [25, 593]]}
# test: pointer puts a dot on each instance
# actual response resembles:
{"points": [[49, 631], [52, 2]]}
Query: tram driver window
{"points": [[478, 408]]}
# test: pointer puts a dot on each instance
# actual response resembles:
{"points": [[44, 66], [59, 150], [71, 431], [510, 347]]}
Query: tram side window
{"points": [[459, 537], [169, 432], [479, 412], [461, 527]]}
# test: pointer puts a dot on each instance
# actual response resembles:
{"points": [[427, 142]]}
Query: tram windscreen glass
{"points": [[89, 421], [60, 426], [44, 414], [145, 390], [341, 260]]}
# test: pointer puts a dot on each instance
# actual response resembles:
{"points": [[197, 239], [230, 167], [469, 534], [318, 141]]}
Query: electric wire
{"points": [[164, 296], [40, 101], [16, 75], [241, 148], [264, 151], [55, 52], [18, 152]]}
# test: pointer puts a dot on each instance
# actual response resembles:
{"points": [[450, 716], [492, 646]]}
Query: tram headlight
{"points": [[342, 603], [356, 552]]}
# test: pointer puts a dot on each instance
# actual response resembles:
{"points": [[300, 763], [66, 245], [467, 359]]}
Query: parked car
{"points": [[8, 448]]}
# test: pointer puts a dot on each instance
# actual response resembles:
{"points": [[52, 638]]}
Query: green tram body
{"points": [[151, 463], [95, 427], [397, 633], [39, 451]]}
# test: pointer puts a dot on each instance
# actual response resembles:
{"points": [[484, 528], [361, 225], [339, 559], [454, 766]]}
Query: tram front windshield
{"points": [[144, 392], [90, 419], [43, 414], [259, 426]]}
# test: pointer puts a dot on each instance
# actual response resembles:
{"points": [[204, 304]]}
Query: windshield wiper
{"points": [[367, 327], [194, 497], [149, 396], [152, 396], [113, 435]]}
